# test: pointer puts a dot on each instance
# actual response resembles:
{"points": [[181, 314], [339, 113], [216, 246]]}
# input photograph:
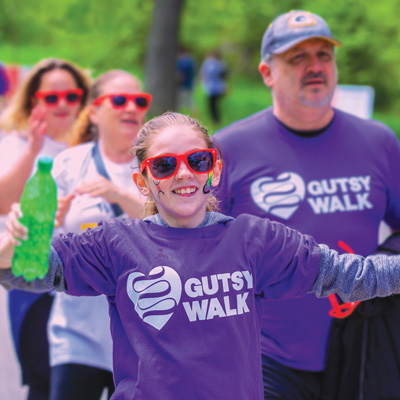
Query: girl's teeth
{"points": [[185, 191]]}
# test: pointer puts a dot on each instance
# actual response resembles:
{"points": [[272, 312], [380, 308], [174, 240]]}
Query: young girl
{"points": [[183, 284]]}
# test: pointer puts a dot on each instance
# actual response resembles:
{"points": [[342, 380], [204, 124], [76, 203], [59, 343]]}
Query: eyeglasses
{"points": [[118, 101], [52, 98], [167, 165]]}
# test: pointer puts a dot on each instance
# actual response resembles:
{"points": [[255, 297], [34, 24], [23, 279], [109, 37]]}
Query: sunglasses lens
{"points": [[201, 161], [51, 98], [72, 98], [118, 101], [141, 102], [162, 167]]}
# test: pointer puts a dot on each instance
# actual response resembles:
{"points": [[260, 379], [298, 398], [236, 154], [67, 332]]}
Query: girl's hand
{"points": [[100, 186], [37, 128], [15, 229], [64, 202], [6, 250], [10, 238]]}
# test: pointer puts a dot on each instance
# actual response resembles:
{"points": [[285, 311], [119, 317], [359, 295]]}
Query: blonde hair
{"points": [[148, 133], [16, 115], [85, 130]]}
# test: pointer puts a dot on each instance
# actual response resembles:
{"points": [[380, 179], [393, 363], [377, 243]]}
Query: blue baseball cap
{"points": [[292, 28]]}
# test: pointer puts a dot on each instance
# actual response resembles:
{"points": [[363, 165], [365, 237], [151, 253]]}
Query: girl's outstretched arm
{"points": [[354, 277]]}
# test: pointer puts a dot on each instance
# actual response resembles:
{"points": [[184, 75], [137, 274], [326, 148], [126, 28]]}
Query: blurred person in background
{"points": [[213, 73], [38, 121], [96, 178], [186, 72], [322, 171]]}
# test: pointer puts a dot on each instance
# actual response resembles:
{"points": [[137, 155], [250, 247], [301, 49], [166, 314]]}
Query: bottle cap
{"points": [[45, 163]]}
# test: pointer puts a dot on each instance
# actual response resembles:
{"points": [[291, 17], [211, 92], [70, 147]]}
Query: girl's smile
{"points": [[185, 191]]}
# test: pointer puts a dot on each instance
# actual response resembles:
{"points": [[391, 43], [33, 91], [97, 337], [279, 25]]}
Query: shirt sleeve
{"points": [[88, 259], [392, 215], [287, 265], [54, 279], [355, 277]]}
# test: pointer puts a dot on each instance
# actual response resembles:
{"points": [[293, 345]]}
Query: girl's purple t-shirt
{"points": [[184, 303], [336, 186]]}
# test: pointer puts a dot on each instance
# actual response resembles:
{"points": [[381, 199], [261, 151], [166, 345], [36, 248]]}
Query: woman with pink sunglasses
{"points": [[95, 178], [38, 121]]}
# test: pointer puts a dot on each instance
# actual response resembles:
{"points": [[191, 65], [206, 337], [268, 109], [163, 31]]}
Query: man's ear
{"points": [[216, 174], [141, 183], [266, 73]]}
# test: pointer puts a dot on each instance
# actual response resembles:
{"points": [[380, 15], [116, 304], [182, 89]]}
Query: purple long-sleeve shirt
{"points": [[184, 303]]}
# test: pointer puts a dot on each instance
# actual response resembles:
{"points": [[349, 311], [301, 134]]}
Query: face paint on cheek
{"points": [[157, 183], [207, 186]]}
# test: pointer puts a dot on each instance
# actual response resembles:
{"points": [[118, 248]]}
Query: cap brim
{"points": [[293, 43]]}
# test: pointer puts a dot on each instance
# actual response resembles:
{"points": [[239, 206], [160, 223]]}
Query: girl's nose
{"points": [[183, 172]]}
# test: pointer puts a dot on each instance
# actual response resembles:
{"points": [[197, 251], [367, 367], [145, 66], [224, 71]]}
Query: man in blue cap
{"points": [[314, 168]]}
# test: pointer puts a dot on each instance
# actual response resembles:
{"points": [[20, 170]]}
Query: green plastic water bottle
{"points": [[38, 206]]}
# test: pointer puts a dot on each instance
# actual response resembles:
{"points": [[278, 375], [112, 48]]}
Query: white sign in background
{"points": [[354, 99]]}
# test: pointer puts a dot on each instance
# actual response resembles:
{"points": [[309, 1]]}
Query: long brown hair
{"points": [[148, 133]]}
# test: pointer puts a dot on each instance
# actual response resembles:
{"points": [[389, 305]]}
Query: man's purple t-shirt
{"points": [[184, 304], [336, 186]]}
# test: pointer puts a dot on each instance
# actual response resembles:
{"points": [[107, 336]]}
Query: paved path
{"points": [[10, 378], [10, 386]]}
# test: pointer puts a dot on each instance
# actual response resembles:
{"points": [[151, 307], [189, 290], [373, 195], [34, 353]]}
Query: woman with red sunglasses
{"points": [[95, 176], [184, 284], [35, 127], [39, 120]]}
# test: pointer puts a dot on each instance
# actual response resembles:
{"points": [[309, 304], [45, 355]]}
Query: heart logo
{"points": [[280, 196], [155, 296]]}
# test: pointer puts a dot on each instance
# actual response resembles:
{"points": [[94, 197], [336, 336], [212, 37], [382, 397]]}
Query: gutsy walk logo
{"points": [[282, 196], [157, 295]]}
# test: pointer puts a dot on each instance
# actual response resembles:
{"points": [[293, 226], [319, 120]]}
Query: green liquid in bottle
{"points": [[38, 206]]}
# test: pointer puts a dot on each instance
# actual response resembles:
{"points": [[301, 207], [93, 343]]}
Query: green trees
{"points": [[162, 50], [104, 34]]}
